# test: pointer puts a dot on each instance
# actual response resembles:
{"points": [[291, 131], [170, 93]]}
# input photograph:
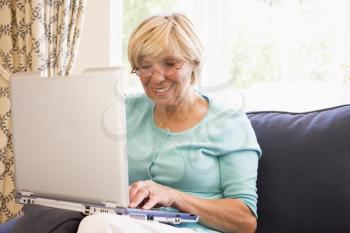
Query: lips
{"points": [[162, 90]]}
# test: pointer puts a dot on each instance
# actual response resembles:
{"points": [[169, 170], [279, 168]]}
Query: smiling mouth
{"points": [[163, 90]]}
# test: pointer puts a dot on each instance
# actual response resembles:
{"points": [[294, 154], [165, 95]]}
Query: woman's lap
{"points": [[110, 223]]}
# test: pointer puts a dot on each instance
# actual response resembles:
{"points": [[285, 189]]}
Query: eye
{"points": [[146, 67], [169, 64]]}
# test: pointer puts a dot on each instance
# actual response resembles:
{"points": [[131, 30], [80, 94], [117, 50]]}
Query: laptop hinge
{"points": [[110, 204], [26, 193]]}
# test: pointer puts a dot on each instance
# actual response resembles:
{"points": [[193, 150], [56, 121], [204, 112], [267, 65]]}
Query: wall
{"points": [[100, 43]]}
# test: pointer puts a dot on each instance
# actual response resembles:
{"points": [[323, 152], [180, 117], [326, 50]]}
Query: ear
{"points": [[193, 78], [194, 72]]}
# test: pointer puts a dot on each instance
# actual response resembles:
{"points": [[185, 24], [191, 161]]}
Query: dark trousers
{"points": [[40, 219], [8, 226]]}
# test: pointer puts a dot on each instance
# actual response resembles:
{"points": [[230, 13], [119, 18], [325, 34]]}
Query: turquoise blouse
{"points": [[217, 158]]}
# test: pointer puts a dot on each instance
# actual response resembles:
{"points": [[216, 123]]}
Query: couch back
{"points": [[304, 173]]}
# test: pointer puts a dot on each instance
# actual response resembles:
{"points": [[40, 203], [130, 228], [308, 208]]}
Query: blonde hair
{"points": [[163, 35]]}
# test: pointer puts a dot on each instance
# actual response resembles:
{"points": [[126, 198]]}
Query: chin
{"points": [[163, 101]]}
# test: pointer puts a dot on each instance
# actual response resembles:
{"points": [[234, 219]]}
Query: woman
{"points": [[185, 150]]}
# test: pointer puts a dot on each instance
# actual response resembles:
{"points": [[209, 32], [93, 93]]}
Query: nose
{"points": [[157, 76]]}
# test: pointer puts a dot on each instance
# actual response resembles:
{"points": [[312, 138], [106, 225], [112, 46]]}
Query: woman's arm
{"points": [[226, 215]]}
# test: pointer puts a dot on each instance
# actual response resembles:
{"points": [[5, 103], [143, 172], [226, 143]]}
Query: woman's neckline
{"points": [[167, 131]]}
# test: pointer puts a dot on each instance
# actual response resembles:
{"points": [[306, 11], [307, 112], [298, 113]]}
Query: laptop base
{"points": [[169, 217]]}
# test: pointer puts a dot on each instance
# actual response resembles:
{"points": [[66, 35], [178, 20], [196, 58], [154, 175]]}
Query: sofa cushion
{"points": [[304, 173]]}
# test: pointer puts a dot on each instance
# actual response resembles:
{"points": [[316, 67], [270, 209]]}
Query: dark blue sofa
{"points": [[304, 173]]}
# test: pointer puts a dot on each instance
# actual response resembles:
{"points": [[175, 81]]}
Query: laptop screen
{"points": [[70, 136]]}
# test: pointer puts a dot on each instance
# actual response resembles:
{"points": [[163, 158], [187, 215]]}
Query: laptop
{"points": [[70, 148]]}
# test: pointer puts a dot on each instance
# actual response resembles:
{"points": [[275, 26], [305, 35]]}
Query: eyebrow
{"points": [[172, 58]]}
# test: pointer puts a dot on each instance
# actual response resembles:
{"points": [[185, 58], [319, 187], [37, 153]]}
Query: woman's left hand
{"points": [[148, 194]]}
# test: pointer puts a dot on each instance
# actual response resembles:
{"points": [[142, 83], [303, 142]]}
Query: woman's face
{"points": [[167, 80]]}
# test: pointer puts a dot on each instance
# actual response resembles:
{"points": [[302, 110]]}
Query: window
{"points": [[263, 54]]}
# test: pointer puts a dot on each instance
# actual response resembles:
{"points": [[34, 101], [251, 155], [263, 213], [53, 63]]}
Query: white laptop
{"points": [[69, 138]]}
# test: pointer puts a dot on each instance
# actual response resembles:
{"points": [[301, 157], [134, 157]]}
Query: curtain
{"points": [[9, 208], [35, 35]]}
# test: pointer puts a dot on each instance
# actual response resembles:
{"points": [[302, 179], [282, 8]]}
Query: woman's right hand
{"points": [[148, 194]]}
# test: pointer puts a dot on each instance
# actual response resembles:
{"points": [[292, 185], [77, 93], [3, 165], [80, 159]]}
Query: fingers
{"points": [[134, 188], [148, 194], [138, 193], [152, 201], [141, 195]]}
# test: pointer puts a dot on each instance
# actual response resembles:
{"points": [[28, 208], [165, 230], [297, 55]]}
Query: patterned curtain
{"points": [[35, 35]]}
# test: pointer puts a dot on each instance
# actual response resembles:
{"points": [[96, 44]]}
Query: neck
{"points": [[180, 111]]}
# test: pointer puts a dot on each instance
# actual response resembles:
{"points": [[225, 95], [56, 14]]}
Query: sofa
{"points": [[304, 173]]}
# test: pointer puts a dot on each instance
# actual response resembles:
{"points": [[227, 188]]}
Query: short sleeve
{"points": [[238, 175], [239, 161]]}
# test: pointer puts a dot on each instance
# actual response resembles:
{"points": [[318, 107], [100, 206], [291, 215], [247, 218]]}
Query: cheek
{"points": [[183, 78], [184, 81], [144, 81], [186, 76], [145, 84]]}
